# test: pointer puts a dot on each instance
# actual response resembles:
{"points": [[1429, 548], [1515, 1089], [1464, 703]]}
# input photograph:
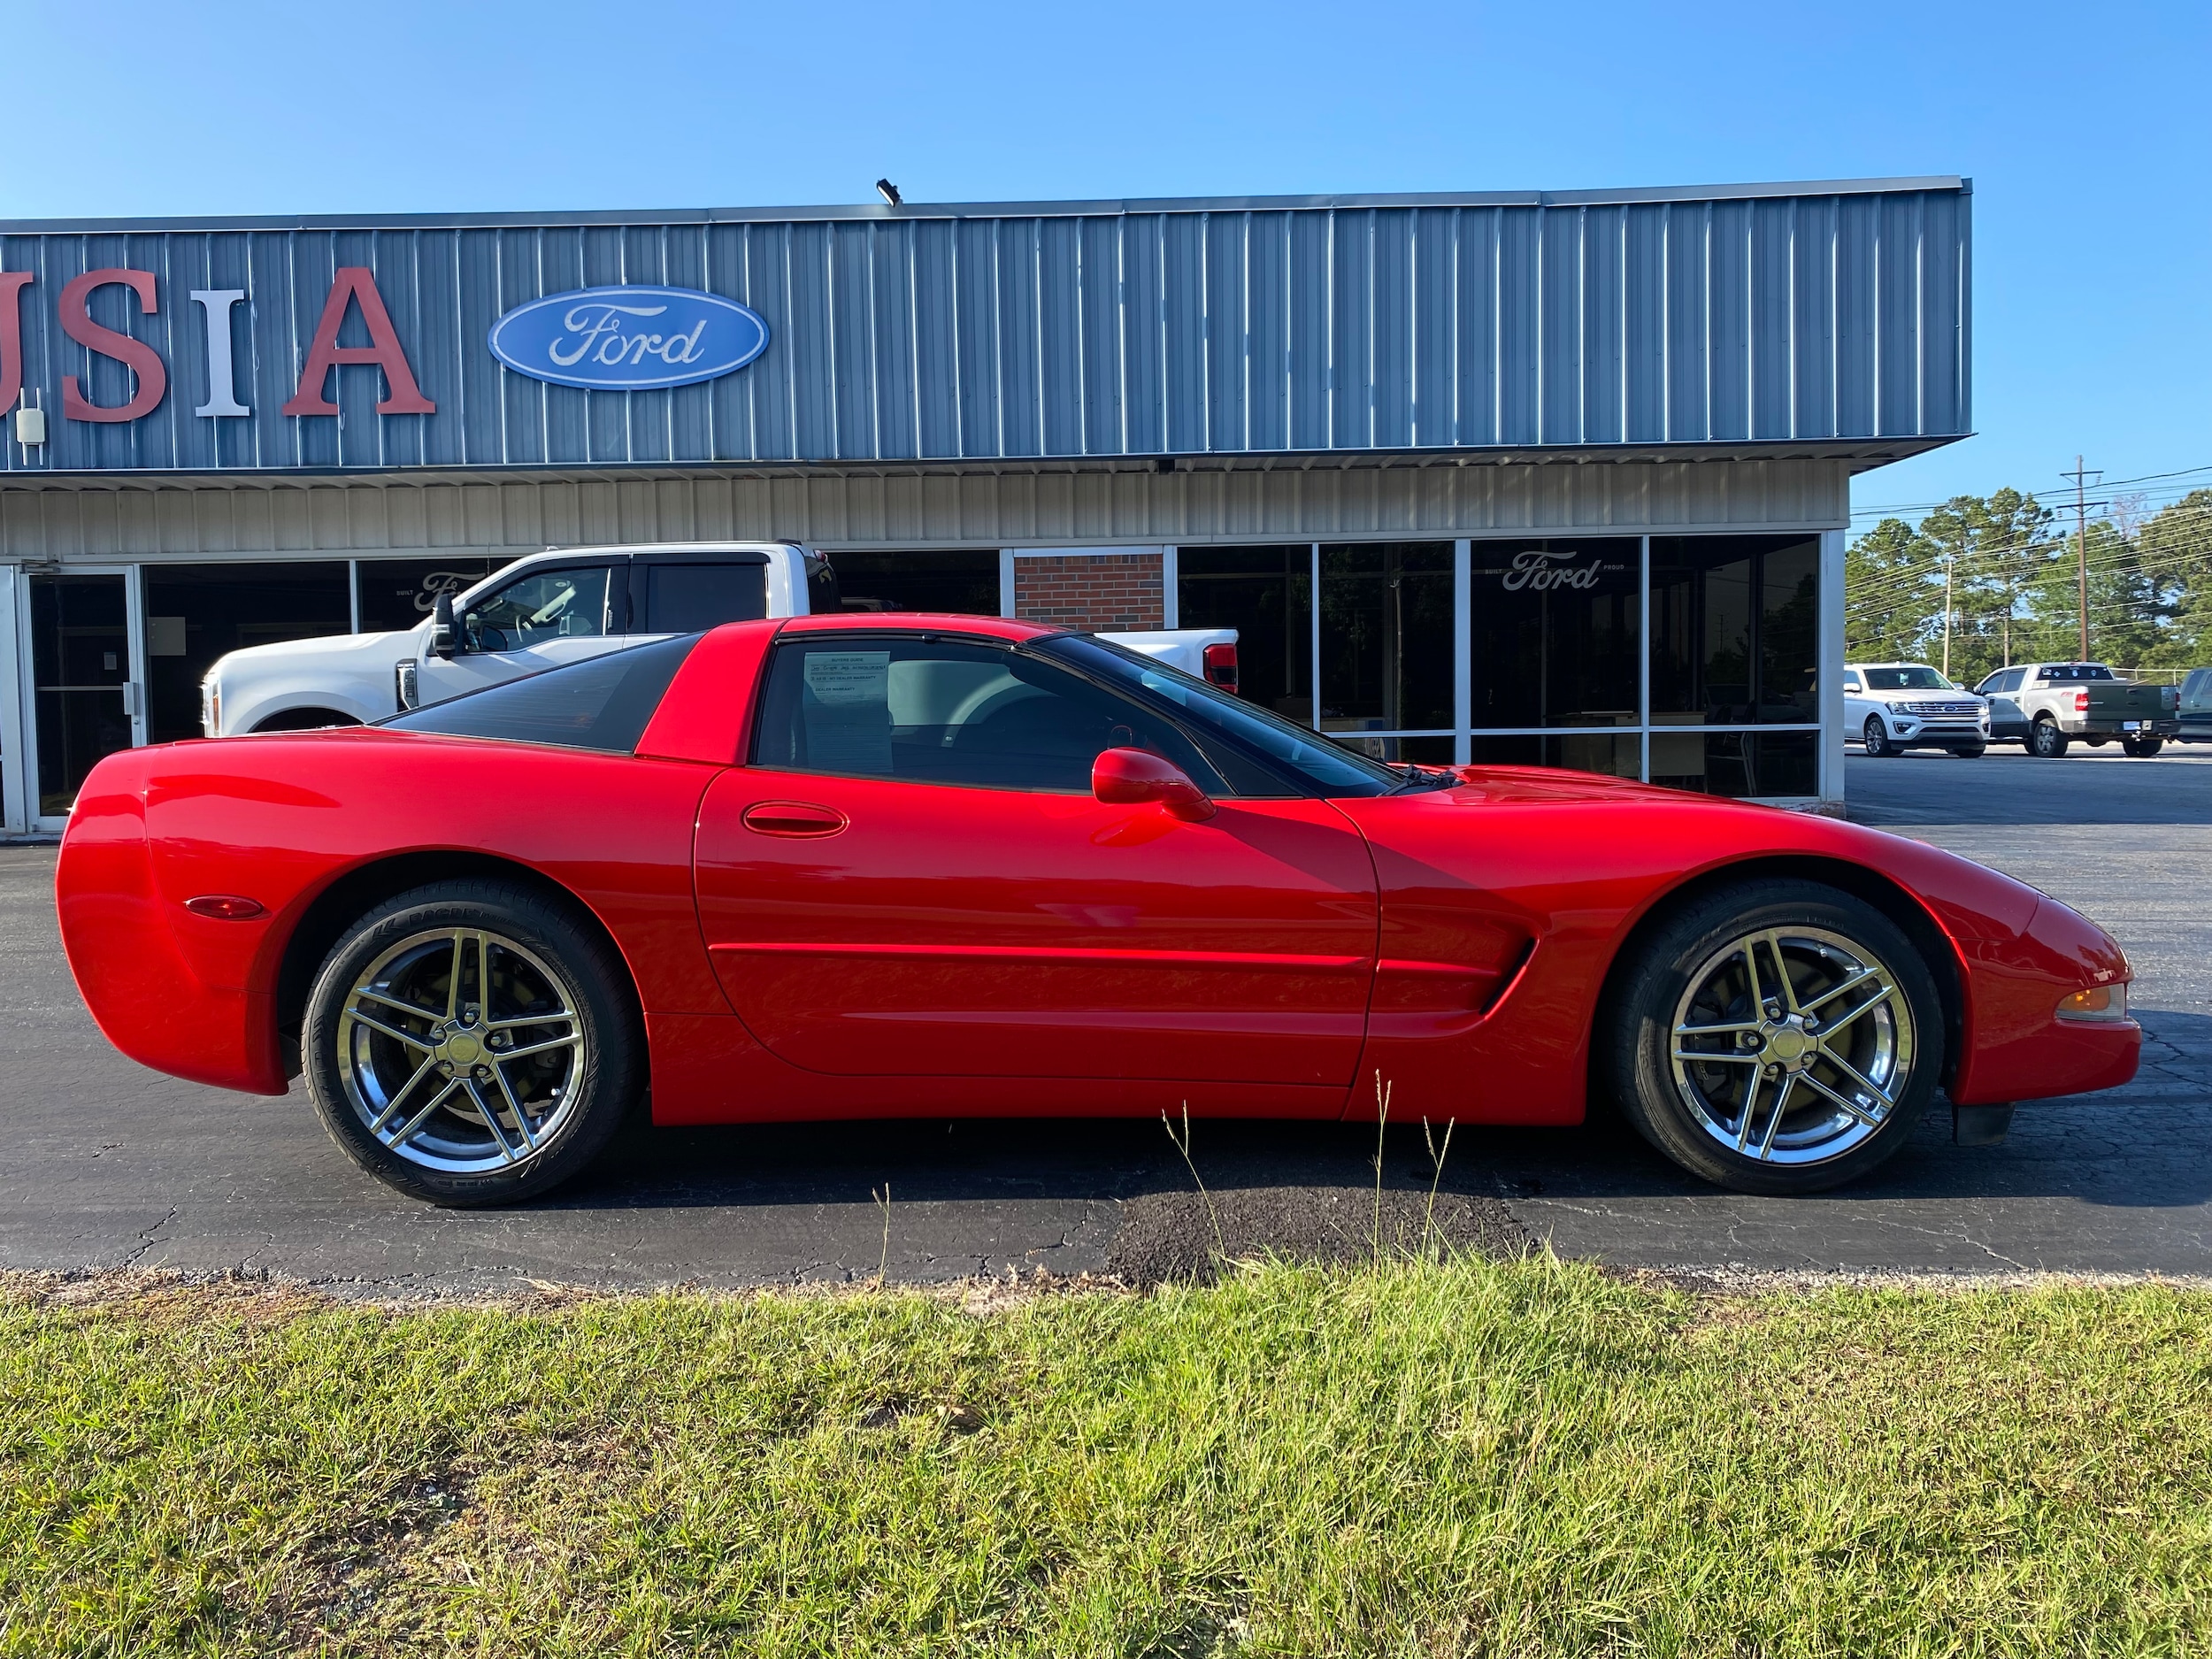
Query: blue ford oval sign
{"points": [[629, 338]]}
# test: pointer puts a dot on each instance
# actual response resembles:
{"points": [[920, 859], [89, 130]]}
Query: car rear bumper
{"points": [[2077, 727], [142, 989]]}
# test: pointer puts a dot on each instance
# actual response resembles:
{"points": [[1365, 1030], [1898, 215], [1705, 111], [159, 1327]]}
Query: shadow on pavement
{"points": [[2149, 1144]]}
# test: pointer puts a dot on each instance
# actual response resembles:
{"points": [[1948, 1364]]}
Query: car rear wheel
{"points": [[1777, 1039], [2142, 748], [1877, 739], [472, 1043], [2046, 742]]}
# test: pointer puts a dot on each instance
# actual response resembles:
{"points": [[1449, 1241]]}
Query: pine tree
{"points": [[1887, 605]]}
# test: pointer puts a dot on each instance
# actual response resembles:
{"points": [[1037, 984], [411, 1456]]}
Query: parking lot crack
{"points": [[146, 1239], [1961, 1236]]}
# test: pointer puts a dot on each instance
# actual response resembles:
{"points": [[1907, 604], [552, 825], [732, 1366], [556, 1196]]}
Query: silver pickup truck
{"points": [[2050, 706], [2196, 707]]}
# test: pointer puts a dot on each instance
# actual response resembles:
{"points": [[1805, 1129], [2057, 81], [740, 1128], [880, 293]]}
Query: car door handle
{"points": [[793, 818]]}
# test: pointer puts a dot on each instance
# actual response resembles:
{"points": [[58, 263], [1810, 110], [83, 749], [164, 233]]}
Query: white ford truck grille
{"points": [[1926, 708]]}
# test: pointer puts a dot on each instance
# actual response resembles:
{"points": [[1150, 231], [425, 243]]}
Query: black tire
{"points": [[1876, 737], [1974, 752], [2096, 742], [2046, 742], [1637, 1040], [589, 1093], [2142, 748]]}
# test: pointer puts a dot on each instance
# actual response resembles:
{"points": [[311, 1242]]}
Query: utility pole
{"points": [[2081, 547], [1949, 553]]}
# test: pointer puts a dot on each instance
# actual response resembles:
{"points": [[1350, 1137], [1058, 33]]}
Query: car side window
{"points": [[545, 605], [690, 597], [949, 712]]}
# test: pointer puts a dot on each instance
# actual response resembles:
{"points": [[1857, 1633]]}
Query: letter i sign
{"points": [[354, 284]]}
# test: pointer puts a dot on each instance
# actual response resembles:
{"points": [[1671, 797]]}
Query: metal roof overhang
{"points": [[911, 210], [1860, 454]]}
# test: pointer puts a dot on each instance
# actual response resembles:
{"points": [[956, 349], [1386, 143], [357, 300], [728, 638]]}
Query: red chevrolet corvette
{"points": [[847, 867]]}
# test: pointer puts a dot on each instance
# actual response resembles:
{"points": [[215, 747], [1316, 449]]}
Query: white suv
{"points": [[1891, 707]]}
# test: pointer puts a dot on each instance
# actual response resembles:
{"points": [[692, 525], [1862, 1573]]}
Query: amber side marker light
{"points": [[2098, 1002], [224, 907]]}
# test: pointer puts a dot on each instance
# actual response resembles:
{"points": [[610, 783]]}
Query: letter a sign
{"points": [[352, 284]]}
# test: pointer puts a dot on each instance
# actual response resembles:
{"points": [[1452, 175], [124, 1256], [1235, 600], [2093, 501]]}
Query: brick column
{"points": [[1090, 590]]}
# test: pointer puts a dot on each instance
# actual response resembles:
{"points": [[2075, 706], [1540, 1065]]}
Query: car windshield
{"points": [[1912, 677], [1331, 768]]}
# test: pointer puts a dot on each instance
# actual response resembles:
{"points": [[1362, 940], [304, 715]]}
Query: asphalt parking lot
{"points": [[104, 1165]]}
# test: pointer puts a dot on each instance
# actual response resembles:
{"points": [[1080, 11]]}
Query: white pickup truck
{"points": [[556, 607]]}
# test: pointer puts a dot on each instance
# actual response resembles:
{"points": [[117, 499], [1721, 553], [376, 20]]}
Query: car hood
{"points": [[1557, 787], [323, 647]]}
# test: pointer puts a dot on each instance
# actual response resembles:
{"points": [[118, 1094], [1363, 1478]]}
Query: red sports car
{"points": [[852, 867]]}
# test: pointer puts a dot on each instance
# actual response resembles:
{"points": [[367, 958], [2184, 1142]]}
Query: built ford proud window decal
{"points": [[629, 338]]}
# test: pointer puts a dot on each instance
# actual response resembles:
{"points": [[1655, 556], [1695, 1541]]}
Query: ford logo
{"points": [[629, 338]]}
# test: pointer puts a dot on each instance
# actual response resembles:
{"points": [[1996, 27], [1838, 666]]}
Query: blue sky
{"points": [[2084, 132]]}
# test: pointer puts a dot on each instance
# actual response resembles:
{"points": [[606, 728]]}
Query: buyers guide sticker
{"points": [[848, 712]]}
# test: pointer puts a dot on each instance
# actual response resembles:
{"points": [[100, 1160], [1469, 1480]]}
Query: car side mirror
{"points": [[445, 638], [1132, 777]]}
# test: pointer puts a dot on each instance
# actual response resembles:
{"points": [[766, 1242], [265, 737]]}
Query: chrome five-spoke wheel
{"points": [[1792, 1044], [474, 1042], [1777, 1038], [460, 1049]]}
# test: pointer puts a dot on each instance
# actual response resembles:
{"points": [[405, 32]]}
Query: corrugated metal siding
{"points": [[340, 517], [1212, 329]]}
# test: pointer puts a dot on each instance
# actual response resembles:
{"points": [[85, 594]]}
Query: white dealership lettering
{"points": [[1531, 570], [222, 386], [597, 330]]}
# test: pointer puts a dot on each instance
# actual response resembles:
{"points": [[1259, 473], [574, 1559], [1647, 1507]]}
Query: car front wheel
{"points": [[2046, 740], [1877, 739], [1776, 1039], [472, 1043]]}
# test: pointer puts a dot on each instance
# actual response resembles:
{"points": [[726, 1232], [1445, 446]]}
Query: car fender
{"points": [[1580, 866], [243, 722]]}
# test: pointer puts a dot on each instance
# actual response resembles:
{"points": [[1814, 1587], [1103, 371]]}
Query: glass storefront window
{"points": [[962, 582], [1735, 630], [1553, 626], [1386, 636], [196, 613], [1614, 755], [400, 593], [1266, 593], [80, 660], [1738, 763]]}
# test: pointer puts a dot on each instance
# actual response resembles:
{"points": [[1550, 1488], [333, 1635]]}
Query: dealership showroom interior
{"points": [[1558, 479]]}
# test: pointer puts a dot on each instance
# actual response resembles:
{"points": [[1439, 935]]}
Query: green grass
{"points": [[1520, 1458]]}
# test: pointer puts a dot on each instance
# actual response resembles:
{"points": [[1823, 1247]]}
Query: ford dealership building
{"points": [[1557, 479]]}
